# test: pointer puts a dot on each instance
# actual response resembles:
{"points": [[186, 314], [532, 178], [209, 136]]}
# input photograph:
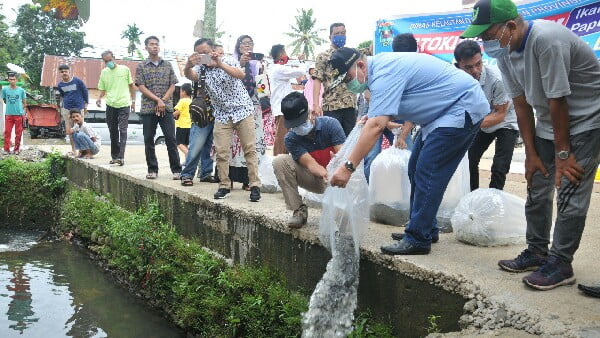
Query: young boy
{"points": [[87, 142], [183, 122], [14, 98]]}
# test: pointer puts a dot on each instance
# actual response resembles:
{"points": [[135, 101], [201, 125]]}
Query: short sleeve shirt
{"points": [[229, 97], [337, 98], [327, 133], [555, 63], [493, 88], [157, 78], [14, 100], [115, 82], [183, 106], [89, 131], [423, 89]]}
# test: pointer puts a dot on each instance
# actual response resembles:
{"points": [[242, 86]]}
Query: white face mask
{"points": [[303, 129], [493, 47]]}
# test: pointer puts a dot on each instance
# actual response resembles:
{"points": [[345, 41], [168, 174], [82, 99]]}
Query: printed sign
{"points": [[438, 34]]}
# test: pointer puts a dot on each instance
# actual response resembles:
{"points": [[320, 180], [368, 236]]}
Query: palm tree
{"points": [[305, 35], [132, 33]]}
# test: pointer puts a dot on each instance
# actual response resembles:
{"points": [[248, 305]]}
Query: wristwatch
{"points": [[349, 166], [563, 154]]}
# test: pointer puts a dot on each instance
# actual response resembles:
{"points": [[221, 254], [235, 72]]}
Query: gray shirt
{"points": [[555, 63], [496, 95]]}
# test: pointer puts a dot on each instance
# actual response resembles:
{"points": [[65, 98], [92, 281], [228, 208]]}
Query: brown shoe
{"points": [[298, 218]]}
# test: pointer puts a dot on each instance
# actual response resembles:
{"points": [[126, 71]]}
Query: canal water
{"points": [[53, 289]]}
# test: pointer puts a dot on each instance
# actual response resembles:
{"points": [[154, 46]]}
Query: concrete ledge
{"points": [[458, 282]]}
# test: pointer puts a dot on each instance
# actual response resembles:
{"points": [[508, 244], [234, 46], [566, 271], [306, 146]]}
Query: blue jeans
{"points": [[432, 163], [199, 137], [84, 142], [377, 149], [206, 162]]}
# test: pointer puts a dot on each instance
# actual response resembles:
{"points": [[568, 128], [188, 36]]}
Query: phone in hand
{"points": [[205, 59], [257, 56]]}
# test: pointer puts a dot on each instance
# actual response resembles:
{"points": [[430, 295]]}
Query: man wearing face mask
{"points": [[548, 68], [338, 102], [117, 84], [311, 142], [402, 86]]}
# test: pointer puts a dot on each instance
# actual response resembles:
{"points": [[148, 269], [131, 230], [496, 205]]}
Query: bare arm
{"points": [[369, 135], [495, 117], [526, 123], [569, 168], [317, 97], [230, 70], [313, 166]]}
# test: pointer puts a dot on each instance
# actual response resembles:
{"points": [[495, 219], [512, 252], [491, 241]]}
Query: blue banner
{"points": [[438, 34]]}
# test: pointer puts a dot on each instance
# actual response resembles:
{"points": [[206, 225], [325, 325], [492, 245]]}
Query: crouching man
{"points": [[311, 142]]}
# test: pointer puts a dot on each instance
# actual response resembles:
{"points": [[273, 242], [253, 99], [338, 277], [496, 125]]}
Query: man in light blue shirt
{"points": [[448, 104]]}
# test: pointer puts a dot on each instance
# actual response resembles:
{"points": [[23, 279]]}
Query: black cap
{"points": [[341, 60], [295, 109]]}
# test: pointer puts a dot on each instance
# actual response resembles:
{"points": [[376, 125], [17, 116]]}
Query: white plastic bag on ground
{"points": [[345, 212], [266, 173], [389, 187], [490, 217], [459, 186]]}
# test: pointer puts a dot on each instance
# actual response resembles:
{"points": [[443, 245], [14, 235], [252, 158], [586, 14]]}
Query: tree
{"points": [[305, 35], [365, 44], [210, 19], [10, 46], [41, 33], [132, 33]]}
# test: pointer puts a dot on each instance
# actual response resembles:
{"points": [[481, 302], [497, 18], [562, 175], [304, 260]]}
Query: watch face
{"points": [[563, 155]]}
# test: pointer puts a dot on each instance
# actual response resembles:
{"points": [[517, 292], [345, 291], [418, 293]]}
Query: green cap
{"points": [[488, 12]]}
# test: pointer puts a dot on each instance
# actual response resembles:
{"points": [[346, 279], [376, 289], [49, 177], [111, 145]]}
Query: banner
{"points": [[438, 34]]}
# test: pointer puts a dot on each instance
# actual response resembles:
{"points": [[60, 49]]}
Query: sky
{"points": [[265, 21]]}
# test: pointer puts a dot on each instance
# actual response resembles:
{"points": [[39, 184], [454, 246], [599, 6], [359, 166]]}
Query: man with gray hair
{"points": [[116, 84]]}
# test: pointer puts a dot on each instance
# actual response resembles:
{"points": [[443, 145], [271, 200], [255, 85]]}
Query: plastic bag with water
{"points": [[266, 173], [311, 199], [459, 186], [389, 187], [490, 217]]}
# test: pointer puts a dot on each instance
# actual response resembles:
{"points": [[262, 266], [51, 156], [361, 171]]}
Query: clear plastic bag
{"points": [[345, 213], [311, 199], [266, 173], [490, 217], [389, 187], [459, 186]]}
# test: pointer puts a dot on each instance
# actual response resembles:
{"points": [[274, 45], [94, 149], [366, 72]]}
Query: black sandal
{"points": [[187, 181]]}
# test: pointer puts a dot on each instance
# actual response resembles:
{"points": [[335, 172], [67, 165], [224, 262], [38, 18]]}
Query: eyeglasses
{"points": [[247, 44]]}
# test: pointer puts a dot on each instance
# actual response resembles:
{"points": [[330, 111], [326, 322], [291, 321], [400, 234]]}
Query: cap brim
{"points": [[296, 122], [474, 31], [339, 79]]}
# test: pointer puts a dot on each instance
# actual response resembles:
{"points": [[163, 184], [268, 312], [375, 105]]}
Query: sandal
{"points": [[151, 176], [187, 181]]}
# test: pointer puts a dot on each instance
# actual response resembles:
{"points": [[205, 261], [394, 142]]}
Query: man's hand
{"points": [[322, 172], [341, 177], [160, 107], [132, 105], [400, 143], [193, 60], [317, 111], [363, 119], [568, 168], [244, 59], [98, 102], [533, 163], [216, 59]]}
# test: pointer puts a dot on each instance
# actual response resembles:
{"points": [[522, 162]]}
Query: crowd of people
{"points": [[460, 110]]}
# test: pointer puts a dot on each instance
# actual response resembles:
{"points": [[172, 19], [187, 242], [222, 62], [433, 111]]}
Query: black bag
{"points": [[201, 108]]}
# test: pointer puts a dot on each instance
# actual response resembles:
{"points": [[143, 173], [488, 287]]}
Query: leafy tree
{"points": [[304, 33], [210, 20], [365, 44], [132, 33], [10, 46], [42, 34]]}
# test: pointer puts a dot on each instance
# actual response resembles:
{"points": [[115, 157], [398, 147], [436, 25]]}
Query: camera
{"points": [[205, 59], [257, 56]]}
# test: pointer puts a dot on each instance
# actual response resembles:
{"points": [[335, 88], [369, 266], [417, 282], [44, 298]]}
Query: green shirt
{"points": [[14, 100], [115, 82]]}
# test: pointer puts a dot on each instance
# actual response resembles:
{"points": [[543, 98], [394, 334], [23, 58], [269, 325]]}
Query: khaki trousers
{"points": [[291, 175], [223, 134], [280, 131]]}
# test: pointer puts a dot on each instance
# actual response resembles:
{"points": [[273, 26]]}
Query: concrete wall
{"points": [[249, 238]]}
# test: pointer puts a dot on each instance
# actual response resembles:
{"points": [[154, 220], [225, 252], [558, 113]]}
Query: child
{"points": [[183, 121], [87, 142]]}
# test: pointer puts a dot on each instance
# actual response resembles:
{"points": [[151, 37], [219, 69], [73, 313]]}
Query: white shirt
{"points": [[89, 131], [279, 79]]}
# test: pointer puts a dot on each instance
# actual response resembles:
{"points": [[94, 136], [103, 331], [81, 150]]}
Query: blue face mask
{"points": [[493, 48], [339, 40], [110, 64], [355, 86], [303, 129]]}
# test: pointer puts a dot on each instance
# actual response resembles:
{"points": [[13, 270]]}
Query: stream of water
{"points": [[53, 289]]}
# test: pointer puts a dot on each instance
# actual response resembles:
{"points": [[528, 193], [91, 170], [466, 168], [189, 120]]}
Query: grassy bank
{"points": [[30, 191], [201, 293]]}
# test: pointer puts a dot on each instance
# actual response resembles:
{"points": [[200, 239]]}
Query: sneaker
{"points": [[553, 273], [254, 194], [404, 247], [113, 161], [528, 260], [298, 218], [222, 193], [120, 162], [208, 179], [397, 236], [176, 176]]}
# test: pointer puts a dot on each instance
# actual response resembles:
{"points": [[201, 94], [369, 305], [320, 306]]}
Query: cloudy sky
{"points": [[265, 21]]}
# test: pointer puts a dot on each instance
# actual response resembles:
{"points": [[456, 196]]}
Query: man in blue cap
{"points": [[547, 68], [402, 86]]}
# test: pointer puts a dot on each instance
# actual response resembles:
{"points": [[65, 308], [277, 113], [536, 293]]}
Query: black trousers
{"points": [[167, 125], [346, 116], [117, 120], [505, 145]]}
